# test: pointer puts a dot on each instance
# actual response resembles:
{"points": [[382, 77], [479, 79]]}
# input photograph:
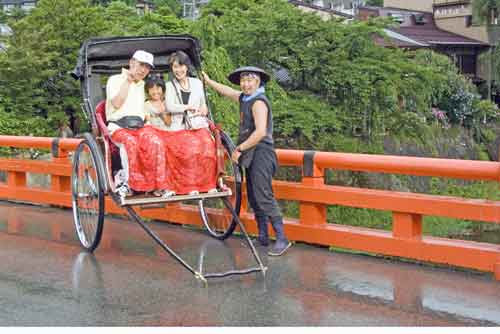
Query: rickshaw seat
{"points": [[100, 115]]}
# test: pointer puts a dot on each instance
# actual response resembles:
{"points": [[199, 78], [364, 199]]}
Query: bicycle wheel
{"points": [[215, 215], [87, 187]]}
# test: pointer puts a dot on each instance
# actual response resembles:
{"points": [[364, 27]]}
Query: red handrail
{"points": [[314, 196]]}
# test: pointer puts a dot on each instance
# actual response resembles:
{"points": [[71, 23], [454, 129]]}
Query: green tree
{"points": [[485, 11], [33, 74], [168, 7], [34, 80], [367, 86], [3, 17]]}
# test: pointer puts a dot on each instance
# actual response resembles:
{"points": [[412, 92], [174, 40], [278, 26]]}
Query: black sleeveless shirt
{"points": [[247, 122]]}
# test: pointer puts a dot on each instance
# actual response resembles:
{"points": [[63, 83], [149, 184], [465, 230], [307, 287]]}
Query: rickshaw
{"points": [[97, 160]]}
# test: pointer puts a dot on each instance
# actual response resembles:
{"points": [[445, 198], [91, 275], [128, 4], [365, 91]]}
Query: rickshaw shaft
{"points": [[160, 242]]}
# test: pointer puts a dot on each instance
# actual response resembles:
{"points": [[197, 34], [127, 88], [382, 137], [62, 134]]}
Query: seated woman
{"points": [[191, 153]]}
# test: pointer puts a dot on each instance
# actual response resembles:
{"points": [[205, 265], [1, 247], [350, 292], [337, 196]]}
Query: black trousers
{"points": [[259, 177]]}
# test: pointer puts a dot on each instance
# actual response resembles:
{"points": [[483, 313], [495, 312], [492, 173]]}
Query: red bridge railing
{"points": [[314, 196]]}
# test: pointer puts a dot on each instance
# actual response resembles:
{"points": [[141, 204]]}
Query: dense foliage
{"points": [[366, 91], [340, 84], [34, 80]]}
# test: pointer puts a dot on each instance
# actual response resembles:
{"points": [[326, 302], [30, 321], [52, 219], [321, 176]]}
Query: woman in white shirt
{"points": [[185, 96], [190, 150]]}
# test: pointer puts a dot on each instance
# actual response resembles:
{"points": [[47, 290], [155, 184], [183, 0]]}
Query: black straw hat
{"points": [[234, 77]]}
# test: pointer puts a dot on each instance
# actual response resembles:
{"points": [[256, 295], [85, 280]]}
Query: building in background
{"points": [[418, 5], [418, 29], [5, 31], [456, 16], [8, 5], [337, 8], [191, 8], [319, 8], [144, 6], [325, 8]]}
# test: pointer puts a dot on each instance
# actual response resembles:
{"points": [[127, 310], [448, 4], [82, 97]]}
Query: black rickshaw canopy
{"points": [[110, 54]]}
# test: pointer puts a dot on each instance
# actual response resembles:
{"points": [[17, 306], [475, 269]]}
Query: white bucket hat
{"points": [[144, 57]]}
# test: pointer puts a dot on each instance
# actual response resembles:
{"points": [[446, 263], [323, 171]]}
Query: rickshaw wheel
{"points": [[215, 214], [87, 187]]}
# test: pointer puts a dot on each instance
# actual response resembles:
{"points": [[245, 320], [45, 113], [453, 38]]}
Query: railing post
{"points": [[16, 179], [496, 269], [406, 225], [312, 175], [58, 182]]}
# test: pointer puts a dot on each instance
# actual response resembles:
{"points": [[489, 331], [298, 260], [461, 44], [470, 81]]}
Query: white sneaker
{"points": [[213, 191], [194, 192], [123, 191]]}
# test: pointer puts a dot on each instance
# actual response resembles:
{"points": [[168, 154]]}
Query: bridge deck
{"points": [[47, 281]]}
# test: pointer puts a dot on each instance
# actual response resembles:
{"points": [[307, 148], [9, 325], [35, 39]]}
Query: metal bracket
{"points": [[308, 164], [54, 148]]}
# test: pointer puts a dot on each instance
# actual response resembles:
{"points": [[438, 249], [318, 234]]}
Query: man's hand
{"points": [[130, 77]]}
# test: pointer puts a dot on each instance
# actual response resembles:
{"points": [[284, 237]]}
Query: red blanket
{"points": [[191, 161]]}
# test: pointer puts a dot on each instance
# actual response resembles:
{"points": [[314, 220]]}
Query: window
{"points": [[8, 8], [468, 21], [28, 6], [397, 17], [466, 64], [419, 19], [494, 16]]}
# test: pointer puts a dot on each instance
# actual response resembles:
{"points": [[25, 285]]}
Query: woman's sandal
{"points": [[165, 193]]}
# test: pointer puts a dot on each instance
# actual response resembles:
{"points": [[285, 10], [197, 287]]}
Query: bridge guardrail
{"points": [[314, 196]]}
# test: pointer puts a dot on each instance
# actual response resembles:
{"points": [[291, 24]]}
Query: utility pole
{"points": [[490, 70]]}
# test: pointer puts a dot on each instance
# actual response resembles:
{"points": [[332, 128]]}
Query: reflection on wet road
{"points": [[46, 280]]}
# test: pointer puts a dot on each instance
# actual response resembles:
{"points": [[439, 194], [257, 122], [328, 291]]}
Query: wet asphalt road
{"points": [[46, 280]]}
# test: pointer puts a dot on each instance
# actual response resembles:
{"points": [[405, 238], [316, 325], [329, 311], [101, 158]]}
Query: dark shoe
{"points": [[263, 240], [280, 247]]}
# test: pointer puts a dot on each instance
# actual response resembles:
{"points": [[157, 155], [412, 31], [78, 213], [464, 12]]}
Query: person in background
{"points": [[255, 150], [64, 129]]}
